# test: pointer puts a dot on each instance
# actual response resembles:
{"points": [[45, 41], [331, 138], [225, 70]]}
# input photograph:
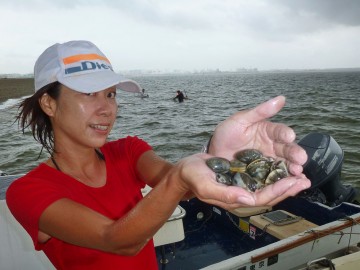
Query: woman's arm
{"points": [[76, 224], [151, 168]]}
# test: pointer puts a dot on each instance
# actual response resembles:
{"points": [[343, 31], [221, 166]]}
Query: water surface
{"points": [[316, 102]]}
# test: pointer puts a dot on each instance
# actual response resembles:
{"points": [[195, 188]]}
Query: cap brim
{"points": [[95, 82], [129, 86]]}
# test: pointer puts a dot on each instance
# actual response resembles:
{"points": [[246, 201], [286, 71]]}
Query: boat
{"points": [[317, 229]]}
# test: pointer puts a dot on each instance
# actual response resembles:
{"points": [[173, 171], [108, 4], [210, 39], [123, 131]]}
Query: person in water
{"points": [[179, 96], [83, 205]]}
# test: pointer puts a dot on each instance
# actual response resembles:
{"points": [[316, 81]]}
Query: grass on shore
{"points": [[15, 88]]}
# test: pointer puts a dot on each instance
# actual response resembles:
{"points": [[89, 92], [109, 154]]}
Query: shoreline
{"points": [[15, 88]]}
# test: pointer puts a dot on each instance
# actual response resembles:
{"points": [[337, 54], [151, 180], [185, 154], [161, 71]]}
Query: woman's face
{"points": [[84, 119]]}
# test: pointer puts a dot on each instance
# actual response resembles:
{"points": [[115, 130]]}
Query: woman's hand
{"points": [[201, 180], [250, 129], [244, 130]]}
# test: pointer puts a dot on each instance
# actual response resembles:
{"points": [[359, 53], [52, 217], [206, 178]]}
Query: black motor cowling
{"points": [[323, 168]]}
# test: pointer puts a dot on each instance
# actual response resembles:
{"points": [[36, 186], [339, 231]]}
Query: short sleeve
{"points": [[27, 198], [127, 151]]}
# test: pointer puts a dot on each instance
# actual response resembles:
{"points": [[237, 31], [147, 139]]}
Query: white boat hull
{"points": [[330, 240]]}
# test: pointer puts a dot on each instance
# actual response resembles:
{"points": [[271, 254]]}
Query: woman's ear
{"points": [[47, 104]]}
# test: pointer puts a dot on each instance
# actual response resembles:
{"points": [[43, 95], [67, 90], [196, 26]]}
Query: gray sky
{"points": [[186, 34]]}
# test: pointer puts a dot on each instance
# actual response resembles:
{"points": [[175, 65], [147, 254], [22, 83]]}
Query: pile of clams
{"points": [[249, 170]]}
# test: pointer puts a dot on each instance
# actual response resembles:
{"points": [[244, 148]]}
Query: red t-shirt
{"points": [[30, 195]]}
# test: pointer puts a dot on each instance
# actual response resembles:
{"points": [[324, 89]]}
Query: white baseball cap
{"points": [[81, 66]]}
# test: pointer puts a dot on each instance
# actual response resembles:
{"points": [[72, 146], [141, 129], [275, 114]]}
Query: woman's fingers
{"points": [[280, 190], [262, 111], [227, 197]]}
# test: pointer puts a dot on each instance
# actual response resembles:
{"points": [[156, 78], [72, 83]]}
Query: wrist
{"points": [[176, 183]]}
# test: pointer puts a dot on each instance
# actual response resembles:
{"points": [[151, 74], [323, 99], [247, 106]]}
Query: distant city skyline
{"points": [[194, 72], [187, 35]]}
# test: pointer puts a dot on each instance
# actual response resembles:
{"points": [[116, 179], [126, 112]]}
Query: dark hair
{"points": [[31, 115]]}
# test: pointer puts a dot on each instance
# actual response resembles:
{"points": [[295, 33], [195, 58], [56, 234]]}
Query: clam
{"points": [[224, 178], [245, 181], [237, 166], [218, 164], [275, 176], [249, 170], [278, 171], [259, 169], [279, 164], [248, 155]]}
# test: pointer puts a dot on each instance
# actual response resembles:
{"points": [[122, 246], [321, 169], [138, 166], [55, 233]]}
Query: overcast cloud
{"points": [[186, 34]]}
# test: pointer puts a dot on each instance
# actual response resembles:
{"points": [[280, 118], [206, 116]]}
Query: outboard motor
{"points": [[323, 168]]}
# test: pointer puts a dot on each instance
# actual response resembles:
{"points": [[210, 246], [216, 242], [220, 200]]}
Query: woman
{"points": [[83, 206]]}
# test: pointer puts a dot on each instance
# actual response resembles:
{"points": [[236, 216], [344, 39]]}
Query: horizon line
{"points": [[204, 71]]}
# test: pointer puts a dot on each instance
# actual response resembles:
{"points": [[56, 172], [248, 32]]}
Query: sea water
{"points": [[326, 102]]}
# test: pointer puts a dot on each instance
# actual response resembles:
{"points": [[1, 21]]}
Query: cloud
{"points": [[333, 12], [262, 15], [186, 34]]}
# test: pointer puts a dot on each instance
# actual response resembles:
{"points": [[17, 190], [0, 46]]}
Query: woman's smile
{"points": [[100, 127]]}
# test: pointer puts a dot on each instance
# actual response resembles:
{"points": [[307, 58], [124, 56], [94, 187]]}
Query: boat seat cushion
{"points": [[250, 211], [282, 231]]}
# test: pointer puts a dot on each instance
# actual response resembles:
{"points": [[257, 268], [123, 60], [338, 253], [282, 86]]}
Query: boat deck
{"points": [[213, 235]]}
